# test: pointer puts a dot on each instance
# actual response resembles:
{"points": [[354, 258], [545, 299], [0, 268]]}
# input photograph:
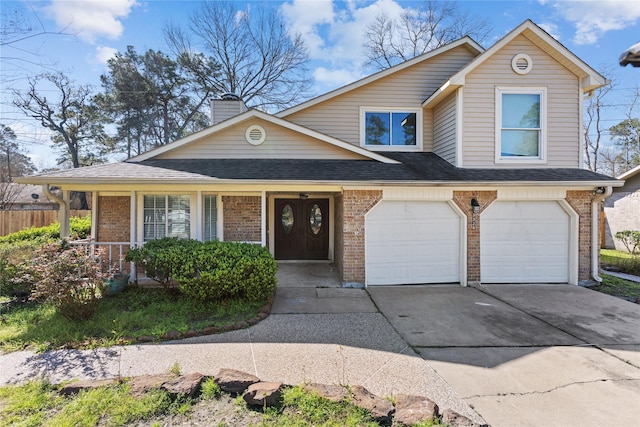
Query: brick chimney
{"points": [[226, 106]]}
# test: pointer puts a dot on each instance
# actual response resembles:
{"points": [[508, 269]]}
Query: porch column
{"points": [[264, 218]]}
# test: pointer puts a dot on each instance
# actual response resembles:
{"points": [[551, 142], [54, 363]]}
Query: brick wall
{"points": [[242, 218], [463, 200], [580, 201], [338, 244], [355, 204], [113, 219]]}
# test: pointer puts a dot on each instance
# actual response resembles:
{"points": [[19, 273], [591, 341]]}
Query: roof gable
{"points": [[590, 79], [467, 42], [312, 143]]}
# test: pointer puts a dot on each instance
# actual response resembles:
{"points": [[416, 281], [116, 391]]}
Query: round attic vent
{"points": [[255, 135], [521, 63]]}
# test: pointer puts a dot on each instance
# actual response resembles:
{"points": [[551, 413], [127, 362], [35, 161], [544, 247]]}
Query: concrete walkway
{"points": [[316, 332]]}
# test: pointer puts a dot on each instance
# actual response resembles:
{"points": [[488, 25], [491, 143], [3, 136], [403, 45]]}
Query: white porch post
{"points": [[264, 218], [133, 229], [63, 213]]}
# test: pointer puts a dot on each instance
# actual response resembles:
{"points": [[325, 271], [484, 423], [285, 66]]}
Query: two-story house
{"points": [[462, 165]]}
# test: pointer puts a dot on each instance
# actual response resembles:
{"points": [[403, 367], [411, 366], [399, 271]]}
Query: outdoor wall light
{"points": [[304, 196], [475, 205], [600, 190]]}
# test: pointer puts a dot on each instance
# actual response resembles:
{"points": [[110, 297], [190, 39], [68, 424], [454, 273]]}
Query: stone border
{"points": [[407, 410]]}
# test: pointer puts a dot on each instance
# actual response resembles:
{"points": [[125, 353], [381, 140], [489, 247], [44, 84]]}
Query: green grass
{"points": [[618, 287], [119, 319], [624, 261], [40, 404]]}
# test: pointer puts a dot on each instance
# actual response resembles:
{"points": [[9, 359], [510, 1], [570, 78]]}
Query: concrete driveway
{"points": [[526, 355]]}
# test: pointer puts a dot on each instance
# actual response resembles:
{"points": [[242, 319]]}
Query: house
{"points": [[21, 197], [462, 165], [622, 209]]}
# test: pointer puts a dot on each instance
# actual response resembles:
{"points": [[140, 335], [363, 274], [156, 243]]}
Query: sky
{"points": [[79, 36]]}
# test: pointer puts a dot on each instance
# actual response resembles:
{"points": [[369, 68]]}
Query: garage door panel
{"points": [[524, 242], [409, 242]]}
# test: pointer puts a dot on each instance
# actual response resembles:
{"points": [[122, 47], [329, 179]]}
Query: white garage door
{"points": [[524, 242], [410, 242]]}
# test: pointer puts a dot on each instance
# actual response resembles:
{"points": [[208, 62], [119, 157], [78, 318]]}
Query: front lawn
{"points": [[120, 319], [617, 287], [624, 262]]}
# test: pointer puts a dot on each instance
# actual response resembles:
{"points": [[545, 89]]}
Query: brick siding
{"points": [[355, 204], [113, 219], [580, 201], [463, 200], [242, 218]]}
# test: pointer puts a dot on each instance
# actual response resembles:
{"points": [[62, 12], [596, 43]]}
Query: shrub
{"points": [[12, 257], [630, 239], [70, 278], [209, 271], [78, 227]]}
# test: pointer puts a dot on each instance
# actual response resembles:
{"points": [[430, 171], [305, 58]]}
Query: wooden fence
{"points": [[12, 221]]}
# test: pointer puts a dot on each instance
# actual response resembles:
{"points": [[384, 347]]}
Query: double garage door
{"points": [[419, 242]]}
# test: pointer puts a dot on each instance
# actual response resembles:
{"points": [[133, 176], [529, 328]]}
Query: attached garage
{"points": [[527, 242], [412, 242]]}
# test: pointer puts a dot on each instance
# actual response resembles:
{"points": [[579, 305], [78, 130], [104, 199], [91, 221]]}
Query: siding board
{"points": [[280, 143], [444, 129], [408, 88], [563, 100]]}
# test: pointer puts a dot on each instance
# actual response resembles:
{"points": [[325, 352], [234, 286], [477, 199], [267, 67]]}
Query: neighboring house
{"points": [[462, 165], [23, 197], [622, 209]]}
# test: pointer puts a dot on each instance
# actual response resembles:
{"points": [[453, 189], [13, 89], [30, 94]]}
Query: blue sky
{"points": [[91, 31]]}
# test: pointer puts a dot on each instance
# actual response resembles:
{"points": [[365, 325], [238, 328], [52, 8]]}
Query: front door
{"points": [[301, 228]]}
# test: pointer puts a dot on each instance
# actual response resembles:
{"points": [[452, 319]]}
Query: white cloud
{"points": [[90, 19], [333, 32], [552, 29], [104, 53], [594, 18]]}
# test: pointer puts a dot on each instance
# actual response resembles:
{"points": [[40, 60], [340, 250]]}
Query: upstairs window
{"points": [[391, 130], [520, 125]]}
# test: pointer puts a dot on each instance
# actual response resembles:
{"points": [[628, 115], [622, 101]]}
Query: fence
{"points": [[12, 221]]}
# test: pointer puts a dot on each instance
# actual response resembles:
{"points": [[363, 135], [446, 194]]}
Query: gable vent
{"points": [[521, 63], [255, 135]]}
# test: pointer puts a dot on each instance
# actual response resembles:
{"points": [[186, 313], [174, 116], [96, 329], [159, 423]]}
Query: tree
{"points": [[155, 99], [260, 60], [627, 136], [76, 121], [389, 41], [12, 162], [593, 128]]}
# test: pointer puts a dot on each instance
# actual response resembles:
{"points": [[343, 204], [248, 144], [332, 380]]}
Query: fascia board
{"points": [[630, 173]]}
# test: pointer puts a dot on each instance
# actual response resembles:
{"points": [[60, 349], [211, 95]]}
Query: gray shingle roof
{"points": [[427, 167], [413, 167]]}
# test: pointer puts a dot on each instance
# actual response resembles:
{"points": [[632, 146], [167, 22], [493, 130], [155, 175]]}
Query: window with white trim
{"points": [[210, 217], [391, 130], [166, 215], [520, 125]]}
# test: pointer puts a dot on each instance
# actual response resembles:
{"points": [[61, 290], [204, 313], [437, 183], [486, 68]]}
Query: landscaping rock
{"points": [[185, 385], [172, 335], [78, 386], [253, 321], [234, 381], [190, 334], [266, 309], [380, 409], [241, 325], [335, 393], [262, 315], [210, 330], [264, 394], [141, 385], [146, 338], [454, 419], [411, 409]]}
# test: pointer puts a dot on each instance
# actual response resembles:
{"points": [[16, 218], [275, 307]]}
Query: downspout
{"points": [[63, 216], [595, 236]]}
